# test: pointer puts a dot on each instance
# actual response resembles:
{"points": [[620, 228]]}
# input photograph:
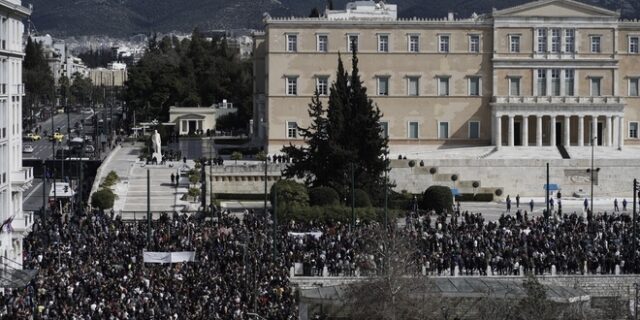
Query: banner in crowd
{"points": [[316, 235], [168, 257]]}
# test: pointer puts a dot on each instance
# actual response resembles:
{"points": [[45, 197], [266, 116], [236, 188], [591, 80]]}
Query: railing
{"points": [[607, 100], [18, 89], [22, 221]]}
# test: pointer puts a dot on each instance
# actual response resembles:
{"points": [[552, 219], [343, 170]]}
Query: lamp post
{"points": [[592, 170]]}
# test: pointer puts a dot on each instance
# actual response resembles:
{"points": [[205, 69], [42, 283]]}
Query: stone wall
{"points": [[246, 177], [518, 176]]}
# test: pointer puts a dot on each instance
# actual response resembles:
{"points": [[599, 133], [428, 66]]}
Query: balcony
{"points": [[609, 100], [22, 222], [557, 105], [18, 89], [22, 177]]}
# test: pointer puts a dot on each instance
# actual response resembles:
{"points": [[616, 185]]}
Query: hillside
{"points": [[121, 18]]}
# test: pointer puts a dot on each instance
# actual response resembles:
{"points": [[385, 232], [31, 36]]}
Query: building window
{"points": [[555, 40], [633, 129], [633, 44], [383, 43], [595, 44], [322, 43], [384, 129], [474, 129], [413, 86], [292, 86], [595, 87], [633, 87], [383, 86], [292, 42], [443, 130], [352, 42], [414, 43], [514, 44], [474, 43], [569, 76], [443, 86], [542, 82], [555, 82], [413, 130], [292, 130], [542, 40], [474, 86], [322, 85], [514, 86], [444, 43], [569, 40]]}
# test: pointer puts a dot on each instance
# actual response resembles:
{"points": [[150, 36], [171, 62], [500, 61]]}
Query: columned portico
{"points": [[554, 117]]}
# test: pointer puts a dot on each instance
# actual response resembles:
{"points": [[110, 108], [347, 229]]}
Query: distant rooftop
{"points": [[364, 10]]}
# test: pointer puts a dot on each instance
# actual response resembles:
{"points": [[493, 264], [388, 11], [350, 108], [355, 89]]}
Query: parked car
{"points": [[27, 148]]}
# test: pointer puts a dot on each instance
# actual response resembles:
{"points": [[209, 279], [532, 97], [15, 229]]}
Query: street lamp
{"points": [[592, 170]]}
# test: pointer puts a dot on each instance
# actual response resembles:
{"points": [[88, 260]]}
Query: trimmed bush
{"points": [[323, 196], [412, 163], [401, 200], [362, 199], [433, 170], [111, 179], [240, 196], [103, 199], [498, 192], [438, 198], [290, 194]]}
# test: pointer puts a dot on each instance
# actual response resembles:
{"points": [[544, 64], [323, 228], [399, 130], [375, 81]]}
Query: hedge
{"points": [[438, 198], [103, 199], [362, 199], [240, 196], [478, 197], [323, 196]]}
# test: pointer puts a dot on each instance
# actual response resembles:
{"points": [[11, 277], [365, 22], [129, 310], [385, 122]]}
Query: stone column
{"points": [[594, 130], [567, 131], [525, 130], [511, 130], [621, 134], [498, 133], [608, 133], [581, 131], [552, 140], [614, 131], [539, 130]]}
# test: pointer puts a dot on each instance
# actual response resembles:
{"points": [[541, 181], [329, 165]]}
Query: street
{"points": [[42, 148]]}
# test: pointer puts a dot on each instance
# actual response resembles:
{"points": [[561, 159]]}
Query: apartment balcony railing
{"points": [[22, 222]]}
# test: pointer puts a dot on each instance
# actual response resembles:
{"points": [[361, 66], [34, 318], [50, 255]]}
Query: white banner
{"points": [[168, 257], [316, 235]]}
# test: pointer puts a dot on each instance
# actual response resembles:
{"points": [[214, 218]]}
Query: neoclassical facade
{"points": [[550, 72], [14, 178]]}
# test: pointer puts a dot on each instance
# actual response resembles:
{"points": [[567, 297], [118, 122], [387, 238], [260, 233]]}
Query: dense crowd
{"points": [[466, 244], [91, 268]]}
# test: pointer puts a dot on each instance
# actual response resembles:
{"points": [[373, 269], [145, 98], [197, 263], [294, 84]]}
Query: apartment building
{"points": [[14, 178], [550, 72]]}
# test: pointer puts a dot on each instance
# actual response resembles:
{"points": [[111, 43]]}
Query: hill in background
{"points": [[121, 18]]}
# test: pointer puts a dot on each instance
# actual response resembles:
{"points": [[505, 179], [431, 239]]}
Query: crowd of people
{"points": [[91, 266], [466, 244]]}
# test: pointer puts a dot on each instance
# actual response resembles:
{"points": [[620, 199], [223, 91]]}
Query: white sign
{"points": [[168, 257]]}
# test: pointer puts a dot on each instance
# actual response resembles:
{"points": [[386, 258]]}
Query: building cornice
{"points": [[502, 63], [325, 23], [16, 8]]}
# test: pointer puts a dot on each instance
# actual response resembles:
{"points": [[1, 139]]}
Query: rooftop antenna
{"points": [[31, 28]]}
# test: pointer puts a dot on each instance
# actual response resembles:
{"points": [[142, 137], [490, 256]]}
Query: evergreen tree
{"points": [[314, 13], [38, 80], [348, 137], [314, 158]]}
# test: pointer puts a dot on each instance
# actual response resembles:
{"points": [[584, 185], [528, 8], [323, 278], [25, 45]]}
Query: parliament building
{"points": [[545, 73]]}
